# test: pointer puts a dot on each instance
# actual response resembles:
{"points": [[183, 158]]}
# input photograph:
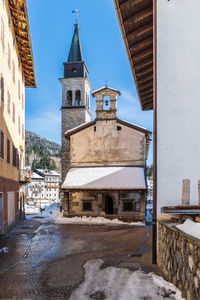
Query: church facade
{"points": [[103, 161]]}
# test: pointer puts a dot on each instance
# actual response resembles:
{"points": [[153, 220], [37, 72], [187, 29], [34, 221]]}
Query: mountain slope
{"points": [[41, 153]]}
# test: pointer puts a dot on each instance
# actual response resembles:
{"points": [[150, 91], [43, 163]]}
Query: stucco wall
{"points": [[9, 126], [103, 144], [178, 90]]}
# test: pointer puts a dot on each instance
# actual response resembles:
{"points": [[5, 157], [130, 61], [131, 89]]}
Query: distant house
{"points": [[51, 184], [35, 191], [107, 159]]}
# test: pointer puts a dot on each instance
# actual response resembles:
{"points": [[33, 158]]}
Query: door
{"points": [[11, 208], [108, 205], [1, 211]]}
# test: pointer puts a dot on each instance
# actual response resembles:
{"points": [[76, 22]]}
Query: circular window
{"points": [[74, 70]]}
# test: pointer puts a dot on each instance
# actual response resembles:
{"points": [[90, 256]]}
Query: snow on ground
{"points": [[123, 284], [51, 214], [191, 228]]}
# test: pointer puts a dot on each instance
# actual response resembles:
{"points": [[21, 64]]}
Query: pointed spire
{"points": [[75, 53]]}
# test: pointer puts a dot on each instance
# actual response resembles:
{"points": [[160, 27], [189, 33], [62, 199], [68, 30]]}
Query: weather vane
{"points": [[76, 11]]}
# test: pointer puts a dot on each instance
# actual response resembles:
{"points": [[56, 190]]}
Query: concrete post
{"points": [[186, 192]]}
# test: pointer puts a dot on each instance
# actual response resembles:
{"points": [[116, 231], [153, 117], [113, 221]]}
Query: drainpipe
{"points": [[154, 217]]}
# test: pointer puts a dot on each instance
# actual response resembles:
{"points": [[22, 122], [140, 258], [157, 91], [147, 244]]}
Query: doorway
{"points": [[108, 205]]}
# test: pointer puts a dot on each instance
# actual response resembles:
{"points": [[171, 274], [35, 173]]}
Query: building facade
{"points": [[43, 188], [16, 72], [106, 173]]}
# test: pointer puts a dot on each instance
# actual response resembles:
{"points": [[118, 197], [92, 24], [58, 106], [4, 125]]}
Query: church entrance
{"points": [[108, 205]]}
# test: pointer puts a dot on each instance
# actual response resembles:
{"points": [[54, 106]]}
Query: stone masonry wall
{"points": [[179, 260]]}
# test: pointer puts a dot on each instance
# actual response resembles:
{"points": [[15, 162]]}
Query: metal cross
{"points": [[76, 11], [106, 82]]}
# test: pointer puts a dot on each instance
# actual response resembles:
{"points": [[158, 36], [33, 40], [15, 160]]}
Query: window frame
{"points": [[87, 202]]}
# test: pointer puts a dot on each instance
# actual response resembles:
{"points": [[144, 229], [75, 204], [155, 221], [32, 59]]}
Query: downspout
{"points": [[154, 217]]}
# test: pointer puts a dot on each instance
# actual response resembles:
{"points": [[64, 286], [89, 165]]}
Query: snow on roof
{"points": [[134, 124], [47, 172], [98, 178], [35, 175]]}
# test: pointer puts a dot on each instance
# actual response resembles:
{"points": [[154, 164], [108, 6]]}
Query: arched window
{"points": [[78, 97], [106, 103], [69, 98]]}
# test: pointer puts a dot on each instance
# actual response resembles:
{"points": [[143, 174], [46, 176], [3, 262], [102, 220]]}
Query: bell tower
{"points": [[76, 89]]}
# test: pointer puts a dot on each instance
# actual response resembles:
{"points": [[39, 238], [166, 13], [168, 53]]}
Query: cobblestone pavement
{"points": [[46, 261]]}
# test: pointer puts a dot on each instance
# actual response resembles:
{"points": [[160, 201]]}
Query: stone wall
{"points": [[179, 259]]}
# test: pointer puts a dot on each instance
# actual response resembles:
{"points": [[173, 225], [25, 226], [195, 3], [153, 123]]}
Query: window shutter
{"points": [[2, 145]]}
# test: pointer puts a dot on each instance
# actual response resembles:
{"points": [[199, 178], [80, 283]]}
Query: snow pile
{"points": [[57, 217], [52, 215], [122, 284], [191, 228]]}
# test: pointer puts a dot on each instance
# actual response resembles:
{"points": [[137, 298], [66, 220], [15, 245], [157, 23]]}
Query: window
{"points": [[106, 103], [2, 34], [22, 100], [18, 89], [14, 156], [1, 144], [78, 97], [8, 151], [128, 205], [19, 124], [9, 57], [23, 131], [13, 71], [8, 102], [69, 98], [2, 88], [13, 116], [87, 205]]}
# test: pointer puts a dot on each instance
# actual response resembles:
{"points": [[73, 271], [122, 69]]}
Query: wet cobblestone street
{"points": [[46, 261]]}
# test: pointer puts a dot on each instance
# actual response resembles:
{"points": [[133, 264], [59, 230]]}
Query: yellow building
{"points": [[16, 73]]}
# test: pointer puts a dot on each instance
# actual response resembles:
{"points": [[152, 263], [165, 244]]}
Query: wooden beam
{"points": [[129, 3], [24, 40], [139, 17], [137, 47], [13, 8], [148, 91], [148, 107], [138, 33], [21, 29], [144, 72], [145, 85], [148, 96], [143, 65], [143, 55], [148, 101], [16, 18], [145, 79]]}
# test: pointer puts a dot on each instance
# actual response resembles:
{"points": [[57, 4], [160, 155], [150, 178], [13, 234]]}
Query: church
{"points": [[104, 160]]}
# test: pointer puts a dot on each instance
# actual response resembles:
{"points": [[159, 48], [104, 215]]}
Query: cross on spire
{"points": [[76, 11]]}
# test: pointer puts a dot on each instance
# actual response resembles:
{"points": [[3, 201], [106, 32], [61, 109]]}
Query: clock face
{"points": [[74, 70]]}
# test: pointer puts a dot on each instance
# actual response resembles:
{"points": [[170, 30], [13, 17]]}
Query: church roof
{"points": [[75, 53], [105, 178]]}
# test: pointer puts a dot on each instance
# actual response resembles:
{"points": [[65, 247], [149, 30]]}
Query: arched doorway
{"points": [[108, 205]]}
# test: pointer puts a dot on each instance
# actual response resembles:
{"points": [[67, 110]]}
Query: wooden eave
{"points": [[136, 23], [19, 16]]}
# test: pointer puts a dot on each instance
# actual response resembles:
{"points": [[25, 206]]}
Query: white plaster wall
{"points": [[178, 97]]}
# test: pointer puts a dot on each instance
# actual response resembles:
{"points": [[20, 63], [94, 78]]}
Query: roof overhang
{"points": [[19, 16], [105, 178], [136, 23]]}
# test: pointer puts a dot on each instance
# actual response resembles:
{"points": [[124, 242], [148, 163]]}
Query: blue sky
{"points": [[51, 27]]}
